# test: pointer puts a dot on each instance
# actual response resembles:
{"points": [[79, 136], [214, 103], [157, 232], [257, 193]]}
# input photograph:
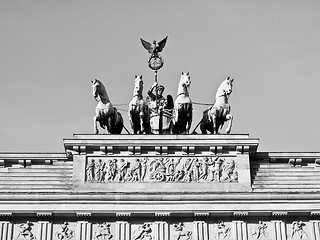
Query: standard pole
{"points": [[157, 106]]}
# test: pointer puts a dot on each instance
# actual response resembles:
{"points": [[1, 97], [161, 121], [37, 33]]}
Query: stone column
{"points": [[122, 230], [315, 230], [240, 231], [84, 230], [6, 230], [279, 230], [200, 231], [45, 230]]}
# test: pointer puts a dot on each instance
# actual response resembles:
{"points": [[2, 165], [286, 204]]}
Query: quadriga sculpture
{"points": [[138, 109], [214, 117], [107, 115], [182, 113]]}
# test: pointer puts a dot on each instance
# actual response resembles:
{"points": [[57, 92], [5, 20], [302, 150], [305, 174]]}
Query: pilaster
{"points": [[278, 230], [45, 230], [240, 230], [161, 230], [122, 230], [84, 230], [200, 230], [6, 230]]}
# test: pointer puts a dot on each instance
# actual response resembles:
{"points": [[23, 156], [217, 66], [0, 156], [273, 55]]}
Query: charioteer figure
{"points": [[159, 101], [160, 110]]}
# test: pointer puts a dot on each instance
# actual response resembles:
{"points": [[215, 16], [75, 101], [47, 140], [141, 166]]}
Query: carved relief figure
{"points": [[25, 231], [196, 169], [297, 230], [122, 170], [179, 175], [143, 232], [111, 169], [90, 169], [229, 173], [99, 171], [187, 170], [144, 168], [136, 171], [204, 168], [217, 168], [222, 231], [260, 231], [180, 233], [171, 169], [158, 170], [103, 232], [65, 232]]}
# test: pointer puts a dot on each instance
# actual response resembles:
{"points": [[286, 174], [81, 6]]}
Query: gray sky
{"points": [[51, 50]]}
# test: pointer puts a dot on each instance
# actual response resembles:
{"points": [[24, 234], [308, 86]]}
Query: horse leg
{"points": [[215, 125], [203, 126], [188, 126], [107, 122], [118, 125], [230, 118], [204, 122], [111, 123], [189, 118], [141, 117], [95, 127], [131, 120]]}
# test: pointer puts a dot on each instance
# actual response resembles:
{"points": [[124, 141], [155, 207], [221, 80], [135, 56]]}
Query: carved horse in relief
{"points": [[182, 113], [138, 109], [107, 115], [213, 118]]}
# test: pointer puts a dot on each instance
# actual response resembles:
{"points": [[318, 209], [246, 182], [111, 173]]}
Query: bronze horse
{"points": [[213, 118], [107, 115], [138, 109], [182, 113]]}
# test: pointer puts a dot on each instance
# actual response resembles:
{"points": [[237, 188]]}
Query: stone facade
{"points": [[160, 187]]}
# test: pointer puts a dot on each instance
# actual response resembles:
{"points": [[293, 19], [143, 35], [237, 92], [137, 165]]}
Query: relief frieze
{"points": [[298, 230], [159, 169], [65, 233], [260, 231], [222, 231], [25, 231], [144, 232], [103, 232], [166, 230], [181, 233]]}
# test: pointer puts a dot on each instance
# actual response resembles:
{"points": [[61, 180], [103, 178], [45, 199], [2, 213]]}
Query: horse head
{"points": [[225, 88], [184, 84], [95, 87], [138, 86], [99, 92], [185, 79]]}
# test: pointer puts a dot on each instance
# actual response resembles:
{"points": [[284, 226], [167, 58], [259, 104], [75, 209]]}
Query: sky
{"points": [[51, 50]]}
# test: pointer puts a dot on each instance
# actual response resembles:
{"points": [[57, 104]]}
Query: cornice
{"points": [[161, 144]]}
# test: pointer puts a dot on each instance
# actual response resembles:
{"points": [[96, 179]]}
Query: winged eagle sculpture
{"points": [[154, 48]]}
